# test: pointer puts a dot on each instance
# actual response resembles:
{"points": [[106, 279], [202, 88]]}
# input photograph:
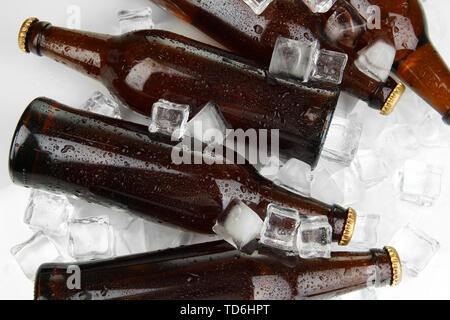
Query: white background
{"points": [[25, 77]]}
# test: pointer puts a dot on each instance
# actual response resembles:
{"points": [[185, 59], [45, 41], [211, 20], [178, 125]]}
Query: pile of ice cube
{"points": [[388, 168]]}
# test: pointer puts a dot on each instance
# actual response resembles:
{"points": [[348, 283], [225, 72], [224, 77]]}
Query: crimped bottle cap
{"points": [[396, 266], [348, 228], [24, 29], [393, 99]]}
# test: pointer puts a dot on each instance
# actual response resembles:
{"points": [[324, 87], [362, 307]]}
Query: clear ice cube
{"points": [[169, 119], [37, 250], [138, 19], [48, 212], [342, 187], [239, 225], [319, 6], [297, 176], [302, 59], [160, 237], [208, 125], [342, 141], [131, 239], [398, 143], [430, 132], [415, 249], [90, 238], [376, 60], [118, 218], [280, 228], [258, 6], [365, 234], [293, 58], [329, 66], [412, 110], [420, 183], [346, 104], [314, 237], [102, 104], [370, 167]]}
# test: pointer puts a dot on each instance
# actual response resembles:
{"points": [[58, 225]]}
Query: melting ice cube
{"points": [[131, 239], [346, 104], [239, 225], [342, 187], [319, 5], [293, 58], [280, 228], [376, 60], [258, 6], [403, 32], [342, 141], [420, 183], [415, 249], [48, 212], [430, 132], [159, 236], [329, 66], [101, 104], [314, 237], [37, 250], [138, 19], [365, 235], [398, 142], [169, 119], [90, 238], [302, 59], [208, 125], [297, 176], [371, 167]]}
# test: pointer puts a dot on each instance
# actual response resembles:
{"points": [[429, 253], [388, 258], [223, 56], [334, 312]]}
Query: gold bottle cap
{"points": [[393, 99], [24, 32], [348, 228], [396, 266]]}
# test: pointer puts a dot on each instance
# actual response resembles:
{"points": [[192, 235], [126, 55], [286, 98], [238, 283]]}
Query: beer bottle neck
{"points": [[83, 51], [342, 220], [376, 268], [427, 74]]}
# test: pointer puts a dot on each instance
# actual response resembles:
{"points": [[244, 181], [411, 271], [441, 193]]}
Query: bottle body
{"points": [[419, 65], [117, 163], [236, 26], [402, 24], [143, 67], [416, 62], [216, 271]]}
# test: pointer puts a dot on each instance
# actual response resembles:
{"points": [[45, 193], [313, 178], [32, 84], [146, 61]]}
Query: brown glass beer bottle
{"points": [[117, 163], [235, 25], [417, 62], [216, 271], [401, 23], [145, 66]]}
